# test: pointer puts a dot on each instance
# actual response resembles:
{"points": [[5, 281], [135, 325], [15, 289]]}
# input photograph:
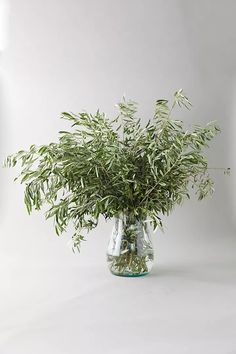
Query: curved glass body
{"points": [[130, 250]]}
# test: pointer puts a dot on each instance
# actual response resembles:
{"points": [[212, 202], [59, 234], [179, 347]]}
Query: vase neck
{"points": [[130, 218]]}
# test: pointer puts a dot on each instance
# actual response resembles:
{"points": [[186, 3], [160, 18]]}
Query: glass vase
{"points": [[130, 250]]}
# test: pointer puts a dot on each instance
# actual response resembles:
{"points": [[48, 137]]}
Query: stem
{"points": [[218, 168]]}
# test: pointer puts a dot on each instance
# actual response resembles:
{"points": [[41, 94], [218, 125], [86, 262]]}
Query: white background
{"points": [[74, 55]]}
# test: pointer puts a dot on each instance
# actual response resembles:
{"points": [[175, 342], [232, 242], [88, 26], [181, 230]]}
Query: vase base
{"points": [[130, 275]]}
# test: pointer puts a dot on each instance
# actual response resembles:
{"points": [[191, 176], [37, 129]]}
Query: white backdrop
{"points": [[74, 55]]}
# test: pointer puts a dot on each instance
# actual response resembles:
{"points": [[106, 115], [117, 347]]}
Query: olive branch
{"points": [[104, 167]]}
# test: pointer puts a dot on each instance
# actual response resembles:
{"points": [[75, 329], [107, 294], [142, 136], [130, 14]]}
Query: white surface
{"points": [[4, 9], [186, 305], [84, 54]]}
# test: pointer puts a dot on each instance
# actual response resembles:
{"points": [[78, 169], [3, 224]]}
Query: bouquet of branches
{"points": [[106, 167]]}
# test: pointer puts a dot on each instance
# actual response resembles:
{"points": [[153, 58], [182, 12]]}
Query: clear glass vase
{"points": [[130, 250]]}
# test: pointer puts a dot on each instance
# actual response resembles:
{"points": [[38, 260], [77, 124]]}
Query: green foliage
{"points": [[104, 167]]}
